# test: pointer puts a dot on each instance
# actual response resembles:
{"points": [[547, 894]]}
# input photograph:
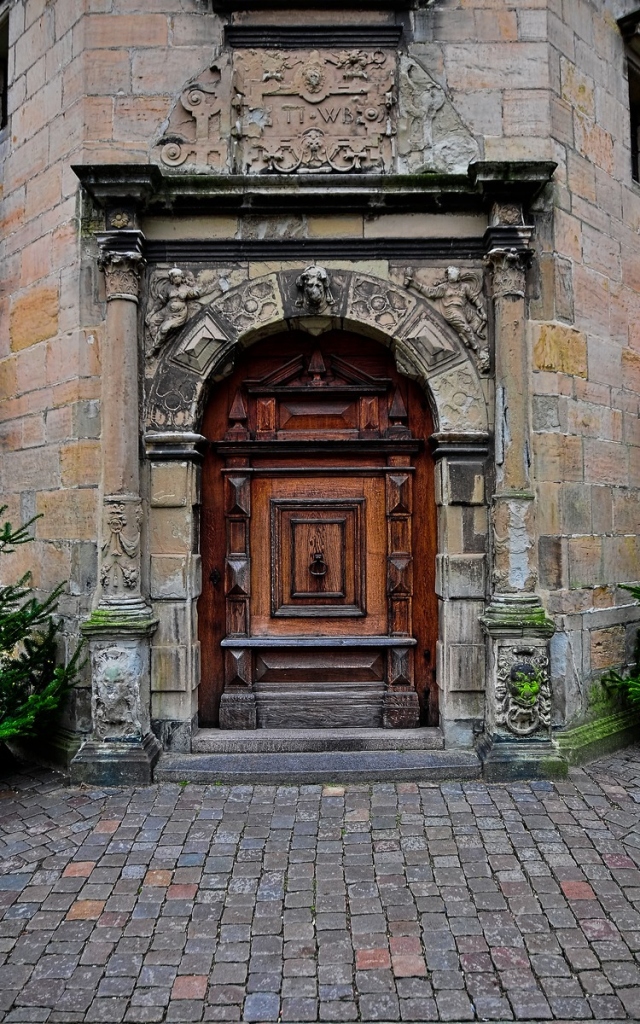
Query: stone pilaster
{"points": [[518, 714], [122, 747]]}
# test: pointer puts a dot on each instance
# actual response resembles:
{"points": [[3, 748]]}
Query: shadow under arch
{"points": [[425, 347]]}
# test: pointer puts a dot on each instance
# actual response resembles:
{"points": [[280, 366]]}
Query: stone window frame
{"points": [[4, 70], [630, 29]]}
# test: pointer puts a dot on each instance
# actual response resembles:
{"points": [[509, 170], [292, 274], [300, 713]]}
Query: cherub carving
{"points": [[171, 302], [460, 296], [314, 283]]}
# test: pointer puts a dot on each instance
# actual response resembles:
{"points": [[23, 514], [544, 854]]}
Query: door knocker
{"points": [[318, 565]]}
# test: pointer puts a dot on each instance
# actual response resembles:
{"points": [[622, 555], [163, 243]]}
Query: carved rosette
{"points": [[120, 552], [508, 267], [523, 691]]}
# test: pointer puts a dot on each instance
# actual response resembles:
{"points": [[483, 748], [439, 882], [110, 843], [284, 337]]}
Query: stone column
{"points": [[122, 748], [518, 628]]}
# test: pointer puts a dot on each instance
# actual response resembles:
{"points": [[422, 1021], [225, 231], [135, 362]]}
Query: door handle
{"points": [[318, 565], [215, 576]]}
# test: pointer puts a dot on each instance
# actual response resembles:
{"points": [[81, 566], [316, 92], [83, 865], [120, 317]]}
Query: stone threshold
{"points": [[312, 767], [293, 741]]}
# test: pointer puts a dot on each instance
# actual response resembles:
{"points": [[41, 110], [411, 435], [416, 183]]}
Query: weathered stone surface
{"points": [[608, 647], [431, 133], [34, 317], [561, 349]]}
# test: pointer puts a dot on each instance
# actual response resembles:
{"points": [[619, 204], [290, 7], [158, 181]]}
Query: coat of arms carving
{"points": [[315, 111]]}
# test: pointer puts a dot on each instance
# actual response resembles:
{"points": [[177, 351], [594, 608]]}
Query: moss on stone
{"points": [[104, 620]]}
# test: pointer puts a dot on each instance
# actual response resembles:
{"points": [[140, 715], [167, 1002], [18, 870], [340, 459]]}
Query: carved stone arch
{"points": [[425, 347]]}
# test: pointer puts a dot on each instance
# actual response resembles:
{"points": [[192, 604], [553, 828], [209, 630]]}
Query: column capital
{"points": [[121, 259], [508, 266]]}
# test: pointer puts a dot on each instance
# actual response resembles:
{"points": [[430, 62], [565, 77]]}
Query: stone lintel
{"points": [[229, 6], [312, 36], [151, 190]]}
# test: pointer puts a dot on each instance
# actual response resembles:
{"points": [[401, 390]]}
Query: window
{"points": [[634, 111], [630, 28], [4, 68]]}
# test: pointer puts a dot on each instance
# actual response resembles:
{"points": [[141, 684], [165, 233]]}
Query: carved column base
{"points": [[116, 763], [509, 762], [122, 750], [400, 710], [238, 711]]}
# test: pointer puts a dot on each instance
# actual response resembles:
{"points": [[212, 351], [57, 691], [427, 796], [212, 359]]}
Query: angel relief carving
{"points": [[460, 300], [175, 295]]}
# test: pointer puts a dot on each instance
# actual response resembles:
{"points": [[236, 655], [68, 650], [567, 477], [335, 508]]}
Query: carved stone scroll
{"points": [[199, 129]]}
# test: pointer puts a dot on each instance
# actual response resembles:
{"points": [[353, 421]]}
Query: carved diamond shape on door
{"points": [[317, 557]]}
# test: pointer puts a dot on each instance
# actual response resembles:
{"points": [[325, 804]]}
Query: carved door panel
{"points": [[322, 572], [312, 612]]}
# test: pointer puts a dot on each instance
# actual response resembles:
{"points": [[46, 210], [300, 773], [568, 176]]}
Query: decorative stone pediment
{"points": [[426, 347], [315, 111]]}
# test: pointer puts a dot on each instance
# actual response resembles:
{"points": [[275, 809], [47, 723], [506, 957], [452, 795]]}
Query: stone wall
{"points": [[585, 346], [95, 81]]}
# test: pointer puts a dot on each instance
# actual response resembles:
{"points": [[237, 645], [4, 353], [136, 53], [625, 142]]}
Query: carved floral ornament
{"points": [[122, 273], [120, 562], [186, 353]]}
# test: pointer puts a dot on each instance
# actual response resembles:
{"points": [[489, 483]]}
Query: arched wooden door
{"points": [[318, 541]]}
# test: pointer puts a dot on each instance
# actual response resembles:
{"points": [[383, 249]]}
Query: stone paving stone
{"points": [[386, 902]]}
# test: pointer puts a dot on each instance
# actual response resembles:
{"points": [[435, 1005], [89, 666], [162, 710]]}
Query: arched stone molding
{"points": [[426, 348]]}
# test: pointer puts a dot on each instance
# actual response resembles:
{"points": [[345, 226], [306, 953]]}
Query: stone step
{"points": [[316, 767], [297, 741]]}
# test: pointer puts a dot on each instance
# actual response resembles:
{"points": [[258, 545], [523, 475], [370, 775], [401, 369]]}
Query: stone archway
{"points": [[427, 350]]}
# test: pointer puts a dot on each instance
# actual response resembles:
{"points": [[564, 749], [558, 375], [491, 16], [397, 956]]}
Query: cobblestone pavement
{"points": [[458, 901]]}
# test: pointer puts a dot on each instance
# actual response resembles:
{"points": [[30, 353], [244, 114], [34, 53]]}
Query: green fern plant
{"points": [[32, 683], [628, 685]]}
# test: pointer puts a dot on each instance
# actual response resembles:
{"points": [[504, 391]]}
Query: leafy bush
{"points": [[628, 685], [32, 685]]}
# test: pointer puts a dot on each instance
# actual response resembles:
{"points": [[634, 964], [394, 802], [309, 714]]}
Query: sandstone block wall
{"points": [[94, 81]]}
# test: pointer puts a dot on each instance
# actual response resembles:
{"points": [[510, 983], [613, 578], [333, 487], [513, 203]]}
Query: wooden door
{"points": [[318, 541]]}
